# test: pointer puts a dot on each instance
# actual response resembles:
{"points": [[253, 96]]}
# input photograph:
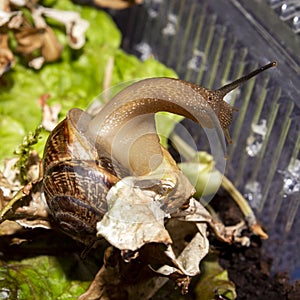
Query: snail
{"points": [[86, 155]]}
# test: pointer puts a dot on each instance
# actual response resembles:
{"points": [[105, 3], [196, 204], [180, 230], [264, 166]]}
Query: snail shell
{"points": [[76, 181], [85, 156]]}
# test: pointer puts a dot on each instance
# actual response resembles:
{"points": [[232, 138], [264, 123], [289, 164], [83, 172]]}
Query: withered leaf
{"points": [[30, 39], [134, 218], [75, 25]]}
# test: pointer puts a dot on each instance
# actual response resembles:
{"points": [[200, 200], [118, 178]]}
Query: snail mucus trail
{"points": [[85, 156]]}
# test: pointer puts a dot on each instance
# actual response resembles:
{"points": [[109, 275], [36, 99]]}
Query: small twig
{"points": [[20, 194], [244, 207]]}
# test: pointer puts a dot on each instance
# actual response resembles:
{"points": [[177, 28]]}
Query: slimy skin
{"points": [[126, 124]]}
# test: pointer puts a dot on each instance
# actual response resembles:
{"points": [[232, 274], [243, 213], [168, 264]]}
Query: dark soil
{"points": [[250, 271], [248, 267]]}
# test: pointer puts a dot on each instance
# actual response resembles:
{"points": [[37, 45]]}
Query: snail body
{"points": [[85, 156]]}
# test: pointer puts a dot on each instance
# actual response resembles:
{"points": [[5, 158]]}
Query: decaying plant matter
{"points": [[141, 270], [36, 41]]}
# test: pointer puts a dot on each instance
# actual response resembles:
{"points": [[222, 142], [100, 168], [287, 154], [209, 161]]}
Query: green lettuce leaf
{"points": [[41, 277], [75, 81], [214, 281]]}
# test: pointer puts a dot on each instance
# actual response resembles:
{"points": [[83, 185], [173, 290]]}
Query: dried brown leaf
{"points": [[188, 262], [118, 279], [9, 178], [130, 224], [6, 16], [75, 25], [195, 212], [31, 39], [23, 204], [51, 49]]}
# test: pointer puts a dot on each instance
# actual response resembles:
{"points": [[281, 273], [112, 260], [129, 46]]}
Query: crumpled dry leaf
{"points": [[31, 39], [195, 212], [188, 261], [23, 204], [27, 208], [75, 26], [9, 181], [6, 16], [130, 224], [136, 280]]}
